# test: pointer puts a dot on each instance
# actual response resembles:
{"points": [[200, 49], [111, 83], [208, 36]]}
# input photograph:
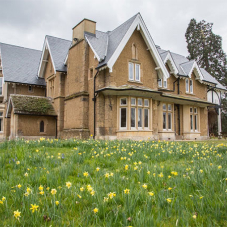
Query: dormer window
{"points": [[162, 83], [134, 72], [189, 86]]}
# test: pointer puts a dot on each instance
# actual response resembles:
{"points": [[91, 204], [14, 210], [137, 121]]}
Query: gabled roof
{"points": [[20, 65], [113, 43], [186, 67], [31, 105], [57, 49]]}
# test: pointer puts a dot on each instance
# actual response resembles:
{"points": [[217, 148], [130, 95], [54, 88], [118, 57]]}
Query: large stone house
{"points": [[113, 85]]}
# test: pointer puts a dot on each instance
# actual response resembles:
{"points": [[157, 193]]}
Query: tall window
{"points": [[134, 72], [1, 121], [167, 116], [189, 86], [41, 126], [138, 113], [51, 86], [193, 119], [1, 82], [123, 113]]}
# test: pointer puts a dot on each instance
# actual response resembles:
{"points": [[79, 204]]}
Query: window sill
{"points": [[166, 131], [188, 93], [192, 132], [135, 130], [135, 81]]}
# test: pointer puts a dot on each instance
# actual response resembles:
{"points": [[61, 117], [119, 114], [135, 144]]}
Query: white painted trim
{"points": [[199, 74], [149, 41], [46, 47], [66, 59], [170, 58], [96, 55]]}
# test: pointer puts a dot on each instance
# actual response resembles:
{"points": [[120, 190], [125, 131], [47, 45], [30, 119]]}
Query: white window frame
{"points": [[133, 107], [165, 83], [123, 107], [146, 128], [130, 77], [194, 125], [191, 86], [159, 82], [134, 76], [2, 123], [1, 85], [168, 110], [137, 79], [187, 85]]}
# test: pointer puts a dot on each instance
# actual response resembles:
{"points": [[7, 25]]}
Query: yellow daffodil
{"points": [[40, 188], [169, 200], [96, 210], [144, 186], [68, 184], [34, 208], [57, 203], [97, 169], [16, 214], [151, 193], [19, 186], [86, 174], [53, 191], [127, 191]]}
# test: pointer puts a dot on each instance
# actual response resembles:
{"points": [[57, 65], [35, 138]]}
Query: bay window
{"points": [[136, 110]]}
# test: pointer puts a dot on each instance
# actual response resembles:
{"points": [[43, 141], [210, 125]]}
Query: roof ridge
{"points": [[58, 38], [20, 46], [124, 22], [187, 61]]}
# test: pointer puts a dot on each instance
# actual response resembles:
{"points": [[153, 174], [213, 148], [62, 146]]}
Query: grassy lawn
{"points": [[113, 183]]}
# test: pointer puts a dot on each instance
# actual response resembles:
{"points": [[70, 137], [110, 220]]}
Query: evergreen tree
{"points": [[206, 48]]}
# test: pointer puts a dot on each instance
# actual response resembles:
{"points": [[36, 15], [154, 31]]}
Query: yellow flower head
{"points": [[29, 191], [3, 198], [34, 208], [53, 191], [144, 186], [82, 189], [17, 162], [127, 191], [57, 203], [194, 216], [107, 175], [96, 210], [40, 188], [26, 174], [86, 174], [201, 171], [41, 192], [169, 200], [97, 169], [126, 167], [68, 184], [219, 167], [111, 195], [151, 193], [16, 214], [1, 202], [169, 188], [19, 186]]}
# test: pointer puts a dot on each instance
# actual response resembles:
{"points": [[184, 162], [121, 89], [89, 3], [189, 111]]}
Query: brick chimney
{"points": [[84, 26]]}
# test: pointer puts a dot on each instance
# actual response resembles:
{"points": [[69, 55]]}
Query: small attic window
{"points": [[91, 73], [134, 52], [30, 88]]}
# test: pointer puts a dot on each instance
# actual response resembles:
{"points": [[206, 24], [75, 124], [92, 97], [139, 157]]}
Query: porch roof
{"points": [[30, 105], [132, 90]]}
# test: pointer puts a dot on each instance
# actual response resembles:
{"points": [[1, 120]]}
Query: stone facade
{"points": [[120, 107]]}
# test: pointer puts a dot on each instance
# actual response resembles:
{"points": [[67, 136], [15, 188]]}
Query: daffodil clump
{"points": [[113, 183]]}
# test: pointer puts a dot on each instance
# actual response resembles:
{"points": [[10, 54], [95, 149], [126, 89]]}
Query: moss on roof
{"points": [[33, 105]]}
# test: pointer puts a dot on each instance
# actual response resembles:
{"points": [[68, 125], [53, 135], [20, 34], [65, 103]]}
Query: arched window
{"points": [[41, 126]]}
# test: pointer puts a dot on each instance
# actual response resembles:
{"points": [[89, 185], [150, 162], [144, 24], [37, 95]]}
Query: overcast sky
{"points": [[26, 22]]}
